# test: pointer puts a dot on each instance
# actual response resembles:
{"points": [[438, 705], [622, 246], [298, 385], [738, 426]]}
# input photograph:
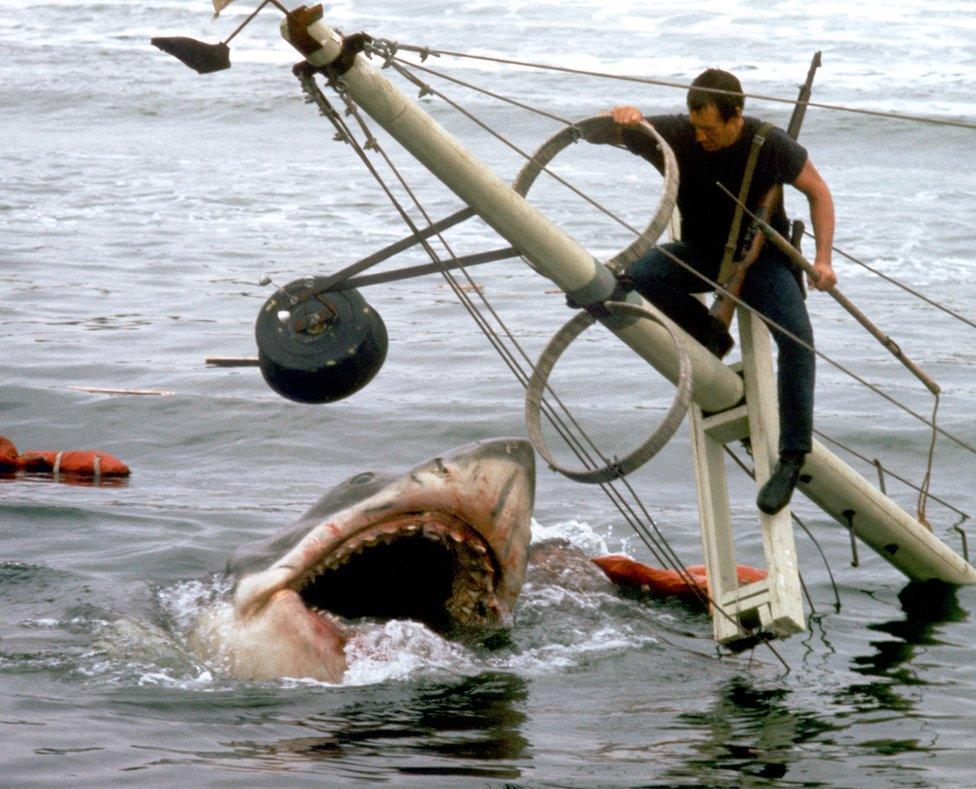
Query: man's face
{"points": [[713, 133]]}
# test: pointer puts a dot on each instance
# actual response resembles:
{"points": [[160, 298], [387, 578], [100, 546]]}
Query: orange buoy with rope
{"points": [[81, 462], [687, 585], [78, 463]]}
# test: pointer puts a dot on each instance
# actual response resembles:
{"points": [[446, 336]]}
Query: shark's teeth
{"points": [[322, 613]]}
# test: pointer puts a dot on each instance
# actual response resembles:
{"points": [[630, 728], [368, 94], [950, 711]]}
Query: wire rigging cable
{"points": [[903, 286], [425, 52]]}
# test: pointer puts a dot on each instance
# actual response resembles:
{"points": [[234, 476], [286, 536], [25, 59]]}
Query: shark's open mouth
{"points": [[430, 567]]}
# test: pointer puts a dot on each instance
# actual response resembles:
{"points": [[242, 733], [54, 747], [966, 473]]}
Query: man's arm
{"points": [[810, 183]]}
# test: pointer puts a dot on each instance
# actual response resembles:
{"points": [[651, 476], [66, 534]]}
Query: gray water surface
{"points": [[141, 203]]}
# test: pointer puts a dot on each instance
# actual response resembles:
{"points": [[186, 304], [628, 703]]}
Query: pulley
{"points": [[316, 347]]}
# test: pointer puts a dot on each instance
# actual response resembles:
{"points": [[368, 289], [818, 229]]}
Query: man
{"points": [[713, 144]]}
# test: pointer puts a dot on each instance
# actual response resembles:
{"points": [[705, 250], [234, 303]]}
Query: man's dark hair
{"points": [[702, 93]]}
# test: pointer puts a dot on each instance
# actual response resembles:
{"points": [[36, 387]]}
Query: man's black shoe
{"points": [[775, 494]]}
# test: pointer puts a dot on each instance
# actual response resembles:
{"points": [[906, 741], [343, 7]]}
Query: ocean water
{"points": [[140, 206]]}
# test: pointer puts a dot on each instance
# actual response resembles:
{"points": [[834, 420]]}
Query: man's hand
{"points": [[828, 278], [626, 115], [818, 195]]}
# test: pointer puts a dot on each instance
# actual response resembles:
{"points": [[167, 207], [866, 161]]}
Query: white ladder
{"points": [[773, 607]]}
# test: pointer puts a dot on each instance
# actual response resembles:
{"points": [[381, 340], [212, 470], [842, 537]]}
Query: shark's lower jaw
{"points": [[430, 567]]}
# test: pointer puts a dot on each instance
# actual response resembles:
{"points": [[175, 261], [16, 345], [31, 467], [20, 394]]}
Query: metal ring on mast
{"points": [[597, 126], [537, 385]]}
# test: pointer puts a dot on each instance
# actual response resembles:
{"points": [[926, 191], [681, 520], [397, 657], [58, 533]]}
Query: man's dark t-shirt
{"points": [[706, 213]]}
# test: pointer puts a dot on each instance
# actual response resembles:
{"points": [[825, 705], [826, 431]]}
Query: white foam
{"points": [[579, 533], [539, 597], [45, 622], [542, 660], [203, 680], [184, 600], [398, 650]]}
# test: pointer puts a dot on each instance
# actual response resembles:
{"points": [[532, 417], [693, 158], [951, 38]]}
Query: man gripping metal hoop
{"points": [[716, 144]]}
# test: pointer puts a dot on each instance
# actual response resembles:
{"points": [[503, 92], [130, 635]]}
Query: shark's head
{"points": [[445, 544]]}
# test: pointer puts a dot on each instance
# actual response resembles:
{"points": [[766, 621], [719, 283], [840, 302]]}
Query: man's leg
{"points": [[668, 286], [771, 288]]}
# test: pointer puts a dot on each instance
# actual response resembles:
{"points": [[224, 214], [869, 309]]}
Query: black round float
{"points": [[318, 347]]}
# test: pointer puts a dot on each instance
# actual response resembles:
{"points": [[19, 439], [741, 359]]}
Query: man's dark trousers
{"points": [[772, 290]]}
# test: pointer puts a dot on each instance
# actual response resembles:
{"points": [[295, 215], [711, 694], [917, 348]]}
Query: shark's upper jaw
{"points": [[431, 567]]}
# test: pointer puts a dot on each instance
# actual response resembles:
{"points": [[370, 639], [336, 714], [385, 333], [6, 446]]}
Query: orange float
{"points": [[77, 463], [688, 585]]}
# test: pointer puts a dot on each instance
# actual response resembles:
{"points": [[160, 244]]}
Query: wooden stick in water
{"points": [[232, 361], [112, 391]]}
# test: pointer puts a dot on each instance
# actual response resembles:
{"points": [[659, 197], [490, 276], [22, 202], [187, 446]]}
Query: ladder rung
{"points": [[727, 426], [746, 597]]}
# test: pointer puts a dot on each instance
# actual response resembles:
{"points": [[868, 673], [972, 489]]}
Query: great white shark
{"points": [[445, 544]]}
